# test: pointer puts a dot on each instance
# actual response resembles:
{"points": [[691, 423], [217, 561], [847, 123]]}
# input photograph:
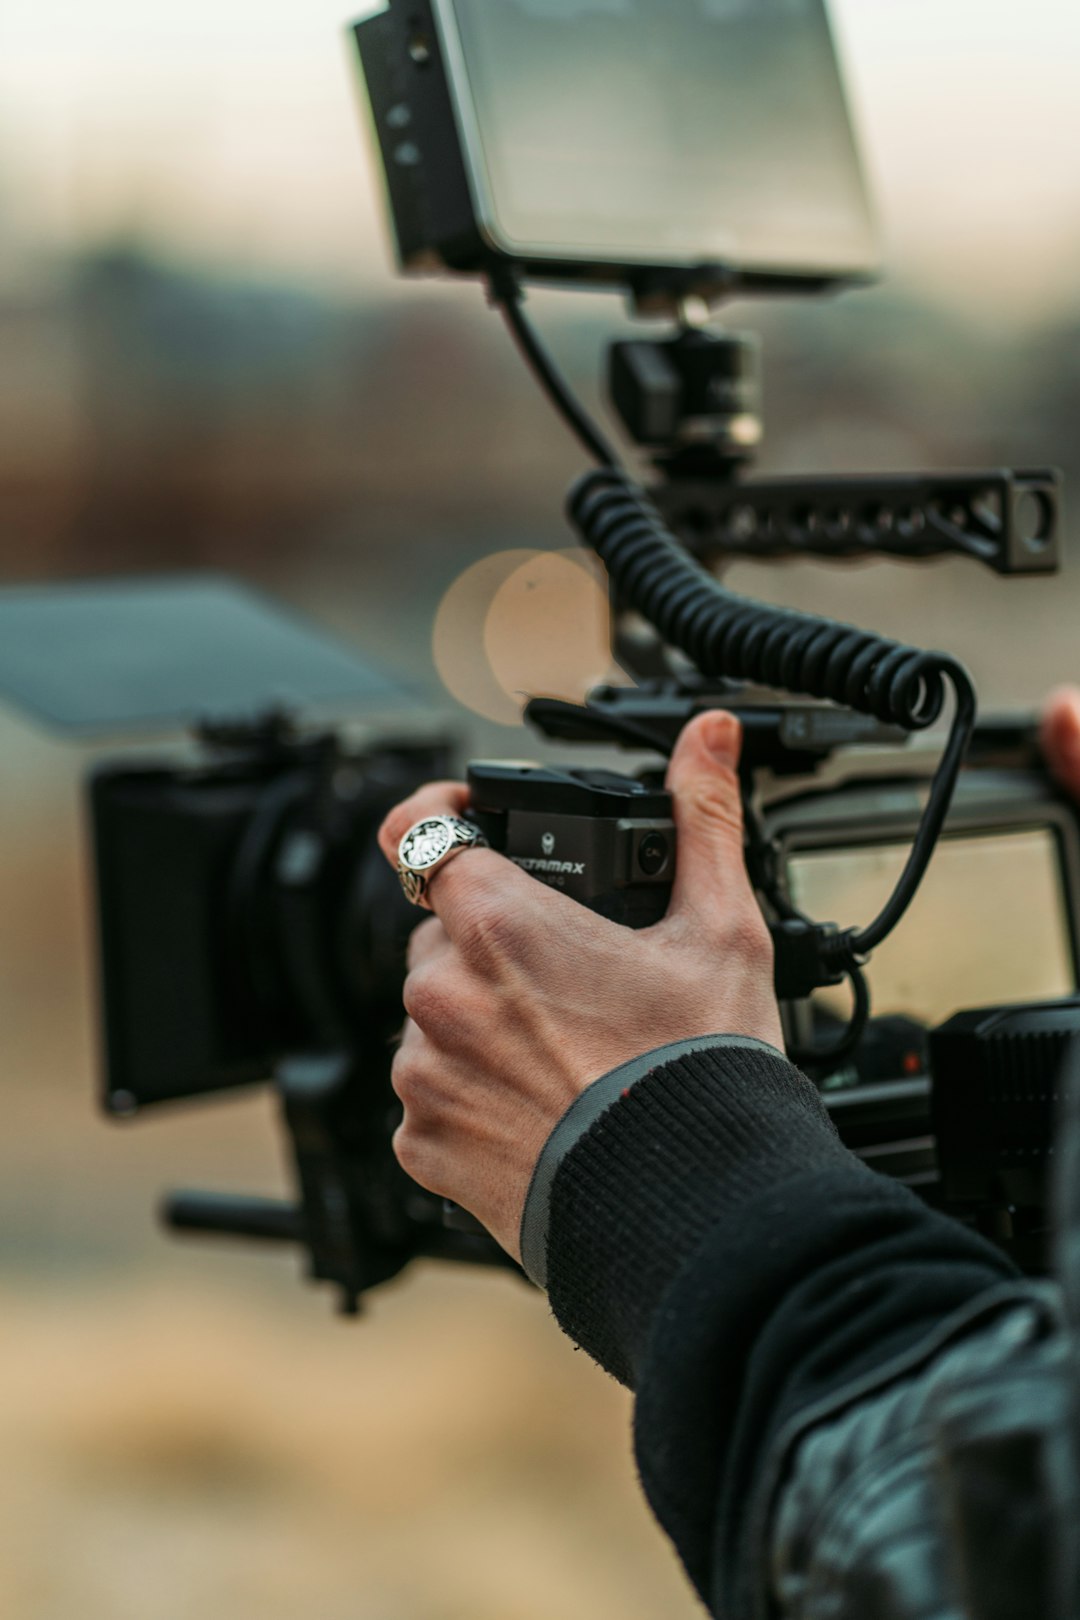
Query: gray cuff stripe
{"points": [[582, 1115]]}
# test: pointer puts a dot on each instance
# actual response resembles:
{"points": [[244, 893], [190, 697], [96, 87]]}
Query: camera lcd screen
{"points": [[673, 131], [989, 924]]}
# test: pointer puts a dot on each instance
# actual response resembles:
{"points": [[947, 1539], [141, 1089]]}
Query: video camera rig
{"points": [[285, 945], [250, 929]]}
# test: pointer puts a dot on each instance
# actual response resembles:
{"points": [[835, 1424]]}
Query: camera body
{"points": [[601, 838]]}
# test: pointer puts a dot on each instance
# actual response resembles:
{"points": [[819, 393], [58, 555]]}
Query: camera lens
{"points": [[654, 854]]}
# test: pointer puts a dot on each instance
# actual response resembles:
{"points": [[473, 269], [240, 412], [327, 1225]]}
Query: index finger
{"points": [[479, 892], [437, 799]]}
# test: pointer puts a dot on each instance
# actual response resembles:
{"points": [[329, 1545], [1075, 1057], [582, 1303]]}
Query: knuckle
{"points": [[487, 928], [749, 937], [414, 1155], [429, 999], [403, 1076], [418, 1092]]}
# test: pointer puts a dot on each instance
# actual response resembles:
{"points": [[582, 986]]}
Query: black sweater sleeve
{"points": [[714, 1246]]}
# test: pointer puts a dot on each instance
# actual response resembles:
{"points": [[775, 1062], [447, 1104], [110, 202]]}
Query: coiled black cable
{"points": [[725, 634]]}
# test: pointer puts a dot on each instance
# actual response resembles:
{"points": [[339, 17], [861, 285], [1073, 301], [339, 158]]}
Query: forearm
{"points": [[714, 1245]]}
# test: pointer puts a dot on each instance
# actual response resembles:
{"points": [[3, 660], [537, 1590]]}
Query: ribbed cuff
{"points": [[673, 1158], [579, 1120]]}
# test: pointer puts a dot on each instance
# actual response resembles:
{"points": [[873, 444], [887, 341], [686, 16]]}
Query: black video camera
{"points": [[249, 928]]}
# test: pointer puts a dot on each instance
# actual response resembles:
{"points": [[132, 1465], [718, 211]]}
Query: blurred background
{"points": [[206, 361]]}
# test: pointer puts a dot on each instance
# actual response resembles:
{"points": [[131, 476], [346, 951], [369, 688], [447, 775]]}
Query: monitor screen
{"points": [[671, 131], [989, 925]]}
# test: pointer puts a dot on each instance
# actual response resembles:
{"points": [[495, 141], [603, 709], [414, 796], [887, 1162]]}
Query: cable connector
{"points": [[807, 957]]}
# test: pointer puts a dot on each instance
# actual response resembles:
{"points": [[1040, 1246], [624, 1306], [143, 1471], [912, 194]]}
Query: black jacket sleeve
{"points": [[713, 1245]]}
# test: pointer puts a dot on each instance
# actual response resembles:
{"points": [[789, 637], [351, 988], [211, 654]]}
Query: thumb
{"points": [[710, 871]]}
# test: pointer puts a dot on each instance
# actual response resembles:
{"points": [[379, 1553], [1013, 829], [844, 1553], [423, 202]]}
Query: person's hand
{"points": [[519, 998], [1060, 738]]}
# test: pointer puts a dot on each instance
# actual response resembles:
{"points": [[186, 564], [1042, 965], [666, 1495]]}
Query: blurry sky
{"points": [[225, 132]]}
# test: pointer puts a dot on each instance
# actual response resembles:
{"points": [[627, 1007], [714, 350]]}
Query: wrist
{"points": [[674, 1156], [583, 1114]]}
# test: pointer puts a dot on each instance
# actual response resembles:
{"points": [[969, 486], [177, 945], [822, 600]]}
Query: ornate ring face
{"points": [[429, 845]]}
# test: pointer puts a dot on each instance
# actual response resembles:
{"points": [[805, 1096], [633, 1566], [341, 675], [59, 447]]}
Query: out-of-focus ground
{"points": [[187, 1430]]}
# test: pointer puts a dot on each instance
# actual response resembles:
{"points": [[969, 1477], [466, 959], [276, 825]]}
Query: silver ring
{"points": [[427, 846]]}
